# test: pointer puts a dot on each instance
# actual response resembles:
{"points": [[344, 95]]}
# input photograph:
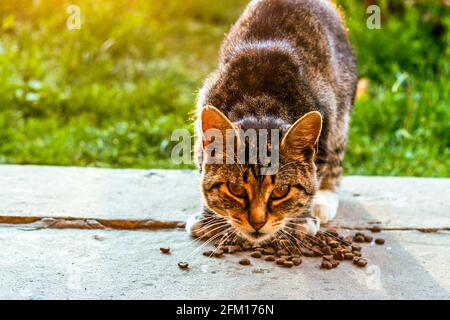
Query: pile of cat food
{"points": [[288, 252], [328, 245]]}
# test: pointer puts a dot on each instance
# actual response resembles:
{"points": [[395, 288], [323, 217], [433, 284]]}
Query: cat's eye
{"points": [[237, 190], [280, 192]]}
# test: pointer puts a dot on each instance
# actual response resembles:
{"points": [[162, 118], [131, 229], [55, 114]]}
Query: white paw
{"points": [[194, 225], [311, 226], [308, 226], [325, 205]]}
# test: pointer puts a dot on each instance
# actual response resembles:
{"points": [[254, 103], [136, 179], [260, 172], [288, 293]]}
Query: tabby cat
{"points": [[285, 65]]}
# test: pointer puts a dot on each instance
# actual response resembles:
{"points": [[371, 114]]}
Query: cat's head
{"points": [[257, 206]]}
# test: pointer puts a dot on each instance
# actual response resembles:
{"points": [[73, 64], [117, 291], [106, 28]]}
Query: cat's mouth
{"points": [[256, 236]]}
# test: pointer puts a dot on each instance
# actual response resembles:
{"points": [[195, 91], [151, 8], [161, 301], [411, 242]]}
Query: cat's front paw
{"points": [[325, 205], [309, 227], [194, 225], [304, 226]]}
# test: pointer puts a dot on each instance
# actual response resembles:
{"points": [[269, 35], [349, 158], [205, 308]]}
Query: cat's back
{"points": [[292, 54], [313, 27]]}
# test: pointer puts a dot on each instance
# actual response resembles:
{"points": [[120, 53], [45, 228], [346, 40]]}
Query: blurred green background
{"points": [[111, 93]]}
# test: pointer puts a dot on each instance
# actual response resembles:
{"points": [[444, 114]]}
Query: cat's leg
{"points": [[326, 199], [325, 205], [310, 226], [304, 226]]}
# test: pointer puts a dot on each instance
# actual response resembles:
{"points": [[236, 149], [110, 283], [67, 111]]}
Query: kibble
{"points": [[256, 254], [288, 264], [327, 257], [339, 255], [375, 229], [317, 252], [233, 249], [165, 250], [348, 256], [332, 247], [208, 253], [282, 252], [183, 265], [245, 262], [218, 253], [362, 262], [333, 243]]}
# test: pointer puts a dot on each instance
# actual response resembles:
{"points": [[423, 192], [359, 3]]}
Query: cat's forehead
{"points": [[253, 174]]}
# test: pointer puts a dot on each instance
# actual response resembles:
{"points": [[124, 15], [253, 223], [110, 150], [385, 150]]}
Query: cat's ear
{"points": [[303, 134], [213, 119]]}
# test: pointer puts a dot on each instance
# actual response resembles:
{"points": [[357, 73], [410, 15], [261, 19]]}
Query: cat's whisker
{"points": [[222, 240], [325, 232], [212, 227], [304, 234], [292, 243], [336, 238], [204, 228], [287, 164], [237, 221], [213, 221], [236, 235], [204, 244], [199, 239], [298, 245], [300, 242], [207, 242]]}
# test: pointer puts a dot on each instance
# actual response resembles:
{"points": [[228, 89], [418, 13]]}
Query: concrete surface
{"points": [[97, 193], [174, 195], [72, 263], [61, 264]]}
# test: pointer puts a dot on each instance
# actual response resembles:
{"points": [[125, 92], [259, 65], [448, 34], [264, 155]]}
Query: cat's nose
{"points": [[257, 225]]}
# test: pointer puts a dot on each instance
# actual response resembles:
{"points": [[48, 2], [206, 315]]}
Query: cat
{"points": [[284, 65]]}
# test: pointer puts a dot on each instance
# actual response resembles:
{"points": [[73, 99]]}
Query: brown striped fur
{"points": [[281, 60]]}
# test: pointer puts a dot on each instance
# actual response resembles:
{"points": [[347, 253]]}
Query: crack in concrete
{"points": [[36, 223], [425, 230]]}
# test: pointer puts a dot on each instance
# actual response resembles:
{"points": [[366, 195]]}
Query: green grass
{"points": [[111, 93]]}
